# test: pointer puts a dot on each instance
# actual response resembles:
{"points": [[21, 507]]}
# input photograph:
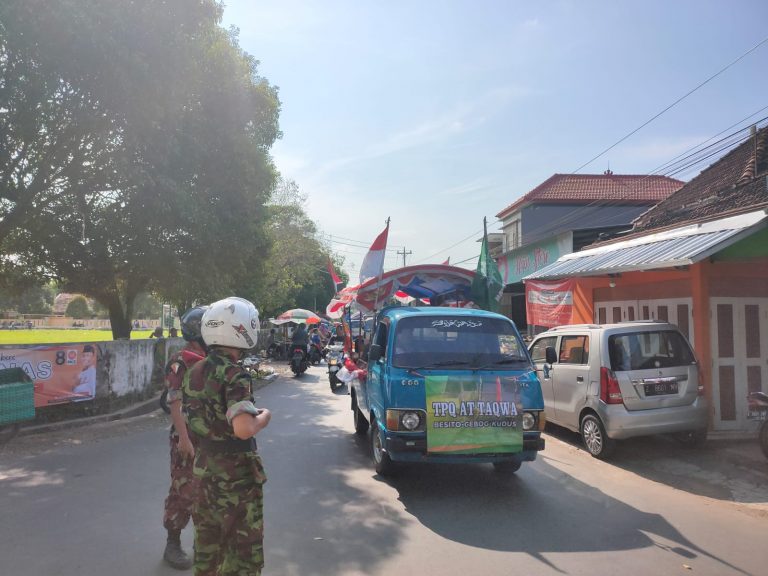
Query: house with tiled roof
{"points": [[563, 214], [698, 259]]}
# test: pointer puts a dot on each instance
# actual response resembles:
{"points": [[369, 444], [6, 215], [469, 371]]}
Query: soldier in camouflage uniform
{"points": [[223, 420], [180, 500]]}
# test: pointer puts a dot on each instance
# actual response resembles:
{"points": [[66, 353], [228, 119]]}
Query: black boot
{"points": [[174, 555]]}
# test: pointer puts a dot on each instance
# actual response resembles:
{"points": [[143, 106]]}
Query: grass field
{"points": [[43, 336]]}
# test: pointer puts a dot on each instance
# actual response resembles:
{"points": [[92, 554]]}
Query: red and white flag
{"points": [[334, 276], [447, 262], [373, 264]]}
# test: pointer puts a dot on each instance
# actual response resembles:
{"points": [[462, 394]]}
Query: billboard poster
{"points": [[549, 304], [62, 374], [473, 414]]}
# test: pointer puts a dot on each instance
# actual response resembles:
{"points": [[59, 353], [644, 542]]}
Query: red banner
{"points": [[61, 373], [549, 303]]}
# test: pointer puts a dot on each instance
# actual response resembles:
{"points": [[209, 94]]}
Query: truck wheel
{"points": [[596, 441], [507, 468], [361, 424], [381, 461]]}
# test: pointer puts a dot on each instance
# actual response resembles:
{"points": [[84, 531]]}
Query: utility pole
{"points": [[404, 253]]}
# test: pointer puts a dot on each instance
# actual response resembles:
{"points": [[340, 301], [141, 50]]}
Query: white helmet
{"points": [[232, 322]]}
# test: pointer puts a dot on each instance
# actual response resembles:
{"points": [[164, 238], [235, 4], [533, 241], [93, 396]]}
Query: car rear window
{"points": [[646, 350]]}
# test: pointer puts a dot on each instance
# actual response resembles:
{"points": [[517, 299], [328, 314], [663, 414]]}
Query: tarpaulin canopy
{"points": [[436, 282]]}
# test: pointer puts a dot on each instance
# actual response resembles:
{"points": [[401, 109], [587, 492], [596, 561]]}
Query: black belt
{"points": [[228, 446]]}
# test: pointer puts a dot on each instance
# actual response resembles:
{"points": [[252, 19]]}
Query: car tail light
{"points": [[700, 389], [610, 393]]}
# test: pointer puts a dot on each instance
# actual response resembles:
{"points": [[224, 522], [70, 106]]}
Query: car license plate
{"points": [[660, 388]]}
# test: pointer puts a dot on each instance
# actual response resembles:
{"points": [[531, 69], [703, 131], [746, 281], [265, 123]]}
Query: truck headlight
{"points": [[410, 420], [529, 420]]}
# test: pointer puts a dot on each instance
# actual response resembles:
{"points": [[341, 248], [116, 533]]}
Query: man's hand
{"points": [[185, 446]]}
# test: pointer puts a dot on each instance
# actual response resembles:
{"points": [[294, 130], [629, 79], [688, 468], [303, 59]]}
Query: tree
{"points": [[136, 152], [78, 308], [293, 270]]}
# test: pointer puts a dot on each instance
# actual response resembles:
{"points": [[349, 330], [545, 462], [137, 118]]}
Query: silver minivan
{"points": [[615, 381]]}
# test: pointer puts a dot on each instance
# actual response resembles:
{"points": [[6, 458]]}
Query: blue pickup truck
{"points": [[448, 385]]}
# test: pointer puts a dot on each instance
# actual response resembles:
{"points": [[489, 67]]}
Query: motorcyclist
{"points": [[338, 334], [300, 337]]}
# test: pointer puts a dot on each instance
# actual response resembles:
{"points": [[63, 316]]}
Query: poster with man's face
{"points": [[62, 374]]}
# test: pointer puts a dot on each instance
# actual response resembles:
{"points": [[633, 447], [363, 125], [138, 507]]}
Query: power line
{"points": [[473, 235], [644, 124], [680, 164]]}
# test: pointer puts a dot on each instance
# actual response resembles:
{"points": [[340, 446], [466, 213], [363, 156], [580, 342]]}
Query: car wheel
{"points": [[692, 438], [361, 424], [381, 460], [595, 439], [508, 467]]}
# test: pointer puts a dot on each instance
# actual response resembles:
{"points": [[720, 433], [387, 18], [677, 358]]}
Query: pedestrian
{"points": [[182, 492], [223, 420]]}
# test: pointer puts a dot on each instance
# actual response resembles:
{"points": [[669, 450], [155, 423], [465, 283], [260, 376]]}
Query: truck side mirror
{"points": [[551, 355], [375, 353]]}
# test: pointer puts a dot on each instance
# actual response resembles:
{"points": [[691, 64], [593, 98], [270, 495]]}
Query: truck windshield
{"points": [[457, 342]]}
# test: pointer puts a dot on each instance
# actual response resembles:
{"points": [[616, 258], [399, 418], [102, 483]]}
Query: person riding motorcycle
{"points": [[338, 334], [300, 338]]}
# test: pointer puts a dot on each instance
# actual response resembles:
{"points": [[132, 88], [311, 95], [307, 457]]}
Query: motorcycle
{"points": [[299, 361], [315, 354], [335, 359], [758, 410]]}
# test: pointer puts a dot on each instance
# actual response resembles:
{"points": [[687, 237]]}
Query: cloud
{"points": [[464, 118]]}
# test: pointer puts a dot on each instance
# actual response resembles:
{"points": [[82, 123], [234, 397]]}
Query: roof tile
{"points": [[587, 188]]}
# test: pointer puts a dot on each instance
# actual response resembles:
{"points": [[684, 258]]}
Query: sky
{"points": [[438, 113]]}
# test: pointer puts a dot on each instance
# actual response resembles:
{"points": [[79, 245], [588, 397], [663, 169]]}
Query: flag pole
{"points": [[485, 243]]}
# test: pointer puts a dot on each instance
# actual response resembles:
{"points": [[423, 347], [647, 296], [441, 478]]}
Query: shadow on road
{"points": [[728, 470], [476, 507]]}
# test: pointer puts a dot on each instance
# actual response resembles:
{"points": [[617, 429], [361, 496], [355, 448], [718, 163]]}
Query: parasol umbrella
{"points": [[297, 315]]}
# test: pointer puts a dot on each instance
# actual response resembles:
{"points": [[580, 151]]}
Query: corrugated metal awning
{"points": [[677, 247]]}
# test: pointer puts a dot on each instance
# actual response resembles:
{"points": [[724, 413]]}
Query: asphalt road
{"points": [[88, 501]]}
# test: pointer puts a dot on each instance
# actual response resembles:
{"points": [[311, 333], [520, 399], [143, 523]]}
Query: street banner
{"points": [[549, 304], [62, 374], [473, 414]]}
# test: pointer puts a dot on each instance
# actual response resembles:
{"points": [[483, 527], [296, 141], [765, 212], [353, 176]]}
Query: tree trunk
{"points": [[120, 318]]}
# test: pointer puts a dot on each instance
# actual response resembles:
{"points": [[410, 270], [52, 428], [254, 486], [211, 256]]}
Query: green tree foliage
{"points": [[78, 308], [292, 272], [30, 300], [134, 149]]}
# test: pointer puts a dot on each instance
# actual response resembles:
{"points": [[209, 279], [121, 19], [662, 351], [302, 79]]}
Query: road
{"points": [[88, 501]]}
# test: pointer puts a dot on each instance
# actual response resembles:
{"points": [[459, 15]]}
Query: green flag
{"points": [[487, 284]]}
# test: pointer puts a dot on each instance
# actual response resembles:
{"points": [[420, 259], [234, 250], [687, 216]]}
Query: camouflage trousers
{"points": [[229, 524], [182, 493]]}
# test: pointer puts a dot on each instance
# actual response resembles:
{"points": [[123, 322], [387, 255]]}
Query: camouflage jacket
{"points": [[215, 390]]}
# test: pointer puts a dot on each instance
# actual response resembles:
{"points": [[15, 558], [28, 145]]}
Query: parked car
{"points": [[614, 381]]}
